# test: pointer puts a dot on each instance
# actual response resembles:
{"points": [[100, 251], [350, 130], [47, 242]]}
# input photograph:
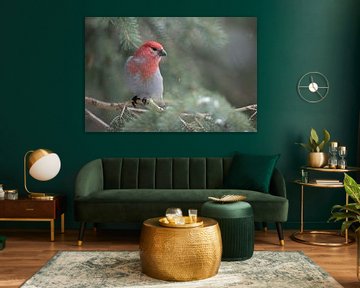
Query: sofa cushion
{"points": [[266, 207], [251, 172]]}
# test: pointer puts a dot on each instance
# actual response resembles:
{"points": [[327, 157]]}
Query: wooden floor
{"points": [[28, 250]]}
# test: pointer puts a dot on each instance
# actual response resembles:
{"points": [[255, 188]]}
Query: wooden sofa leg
{"points": [[265, 227], [280, 233], [81, 233]]}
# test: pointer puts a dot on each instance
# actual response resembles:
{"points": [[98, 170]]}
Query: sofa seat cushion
{"points": [[166, 195], [266, 207]]}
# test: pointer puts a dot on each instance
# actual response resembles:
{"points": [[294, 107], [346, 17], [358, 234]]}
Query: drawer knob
{"points": [[29, 209]]}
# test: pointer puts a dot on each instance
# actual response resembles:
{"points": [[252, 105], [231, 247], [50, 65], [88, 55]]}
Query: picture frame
{"points": [[170, 74]]}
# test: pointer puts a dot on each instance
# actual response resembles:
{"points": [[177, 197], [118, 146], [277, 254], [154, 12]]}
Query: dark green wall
{"points": [[42, 88]]}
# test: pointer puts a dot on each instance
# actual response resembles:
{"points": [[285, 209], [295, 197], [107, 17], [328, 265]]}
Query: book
{"points": [[327, 181]]}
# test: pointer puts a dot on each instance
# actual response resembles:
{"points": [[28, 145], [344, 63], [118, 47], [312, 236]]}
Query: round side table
{"points": [[180, 254]]}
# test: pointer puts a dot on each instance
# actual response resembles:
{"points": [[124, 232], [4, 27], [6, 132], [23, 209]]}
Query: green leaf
{"points": [[314, 136], [342, 215], [321, 146], [352, 207], [346, 225], [346, 213], [326, 136], [352, 188], [306, 146]]}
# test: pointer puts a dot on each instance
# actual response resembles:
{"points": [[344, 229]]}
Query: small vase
{"points": [[317, 159]]}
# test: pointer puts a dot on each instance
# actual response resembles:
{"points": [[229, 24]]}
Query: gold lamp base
{"points": [[41, 196]]}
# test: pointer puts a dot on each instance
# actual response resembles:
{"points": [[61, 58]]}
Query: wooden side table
{"points": [[27, 209]]}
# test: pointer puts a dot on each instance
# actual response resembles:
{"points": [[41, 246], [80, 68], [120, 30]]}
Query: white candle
{"points": [[342, 149]]}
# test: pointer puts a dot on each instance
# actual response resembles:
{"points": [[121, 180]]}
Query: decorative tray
{"points": [[228, 198], [165, 222]]}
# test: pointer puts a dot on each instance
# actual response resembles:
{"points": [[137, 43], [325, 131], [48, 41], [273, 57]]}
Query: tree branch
{"points": [[189, 120], [111, 106], [252, 107], [96, 120]]}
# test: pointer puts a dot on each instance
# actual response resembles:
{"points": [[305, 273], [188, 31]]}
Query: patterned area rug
{"points": [[122, 269]]}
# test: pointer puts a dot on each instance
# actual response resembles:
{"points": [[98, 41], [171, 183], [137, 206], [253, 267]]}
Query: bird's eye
{"points": [[154, 49]]}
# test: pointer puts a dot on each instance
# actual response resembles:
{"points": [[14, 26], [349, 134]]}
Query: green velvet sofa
{"points": [[130, 190]]}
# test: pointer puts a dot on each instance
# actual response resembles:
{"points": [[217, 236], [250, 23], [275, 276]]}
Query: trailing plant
{"points": [[349, 214], [314, 144]]}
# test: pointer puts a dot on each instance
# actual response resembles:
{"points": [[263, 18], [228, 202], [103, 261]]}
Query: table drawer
{"points": [[28, 209]]}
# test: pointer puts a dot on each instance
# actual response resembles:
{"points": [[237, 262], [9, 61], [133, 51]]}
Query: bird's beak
{"points": [[162, 52]]}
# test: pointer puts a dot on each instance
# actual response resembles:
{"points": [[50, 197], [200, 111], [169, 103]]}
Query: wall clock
{"points": [[313, 87]]}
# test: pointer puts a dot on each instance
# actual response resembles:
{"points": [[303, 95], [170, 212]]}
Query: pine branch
{"points": [[120, 106], [128, 112], [129, 35], [98, 122], [194, 122], [111, 106], [252, 107], [154, 105]]}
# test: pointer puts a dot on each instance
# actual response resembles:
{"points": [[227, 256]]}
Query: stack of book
{"points": [[327, 181]]}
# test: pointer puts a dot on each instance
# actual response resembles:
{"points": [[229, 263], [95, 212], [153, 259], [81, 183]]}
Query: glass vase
{"points": [[342, 154], [333, 159]]}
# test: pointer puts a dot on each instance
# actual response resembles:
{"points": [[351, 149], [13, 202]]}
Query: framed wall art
{"points": [[170, 74]]}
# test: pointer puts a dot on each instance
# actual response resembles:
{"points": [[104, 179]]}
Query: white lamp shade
{"points": [[46, 168]]}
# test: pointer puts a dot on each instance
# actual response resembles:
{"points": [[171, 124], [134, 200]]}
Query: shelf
{"points": [[313, 184], [348, 169], [317, 237]]}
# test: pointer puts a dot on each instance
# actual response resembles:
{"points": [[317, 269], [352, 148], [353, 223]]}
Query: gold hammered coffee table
{"points": [[180, 254]]}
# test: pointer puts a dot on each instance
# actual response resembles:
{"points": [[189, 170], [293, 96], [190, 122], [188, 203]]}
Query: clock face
{"points": [[313, 87]]}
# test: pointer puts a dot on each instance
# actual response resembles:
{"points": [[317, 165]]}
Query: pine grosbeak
{"points": [[143, 73]]}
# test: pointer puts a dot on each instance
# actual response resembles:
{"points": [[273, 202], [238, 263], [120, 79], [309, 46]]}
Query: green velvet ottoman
{"points": [[236, 221]]}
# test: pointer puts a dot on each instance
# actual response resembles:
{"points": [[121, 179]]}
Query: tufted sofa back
{"points": [[164, 173]]}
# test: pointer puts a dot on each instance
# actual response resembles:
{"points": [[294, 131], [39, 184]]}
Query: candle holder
{"points": [[342, 153], [333, 149]]}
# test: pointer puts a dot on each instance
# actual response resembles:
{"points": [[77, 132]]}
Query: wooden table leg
{"points": [[63, 223], [52, 230]]}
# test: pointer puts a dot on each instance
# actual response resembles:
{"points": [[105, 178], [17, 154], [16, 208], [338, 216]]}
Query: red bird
{"points": [[143, 73]]}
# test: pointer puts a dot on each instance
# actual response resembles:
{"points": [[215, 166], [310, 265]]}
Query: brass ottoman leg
{"points": [[81, 233]]}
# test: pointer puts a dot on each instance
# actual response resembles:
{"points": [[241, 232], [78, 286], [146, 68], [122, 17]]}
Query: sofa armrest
{"points": [[277, 184], [89, 179]]}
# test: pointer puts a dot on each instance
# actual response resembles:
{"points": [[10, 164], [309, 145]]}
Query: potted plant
{"points": [[317, 157], [350, 213]]}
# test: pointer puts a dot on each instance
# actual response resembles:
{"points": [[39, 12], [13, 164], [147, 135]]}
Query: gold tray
{"points": [[165, 222], [228, 198]]}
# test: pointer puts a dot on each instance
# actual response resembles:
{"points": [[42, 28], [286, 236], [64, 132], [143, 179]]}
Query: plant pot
{"points": [[317, 159]]}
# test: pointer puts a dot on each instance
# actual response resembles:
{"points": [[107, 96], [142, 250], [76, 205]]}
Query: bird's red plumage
{"points": [[149, 60], [142, 72]]}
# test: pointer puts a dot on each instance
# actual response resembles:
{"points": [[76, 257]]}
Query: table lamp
{"points": [[43, 165]]}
